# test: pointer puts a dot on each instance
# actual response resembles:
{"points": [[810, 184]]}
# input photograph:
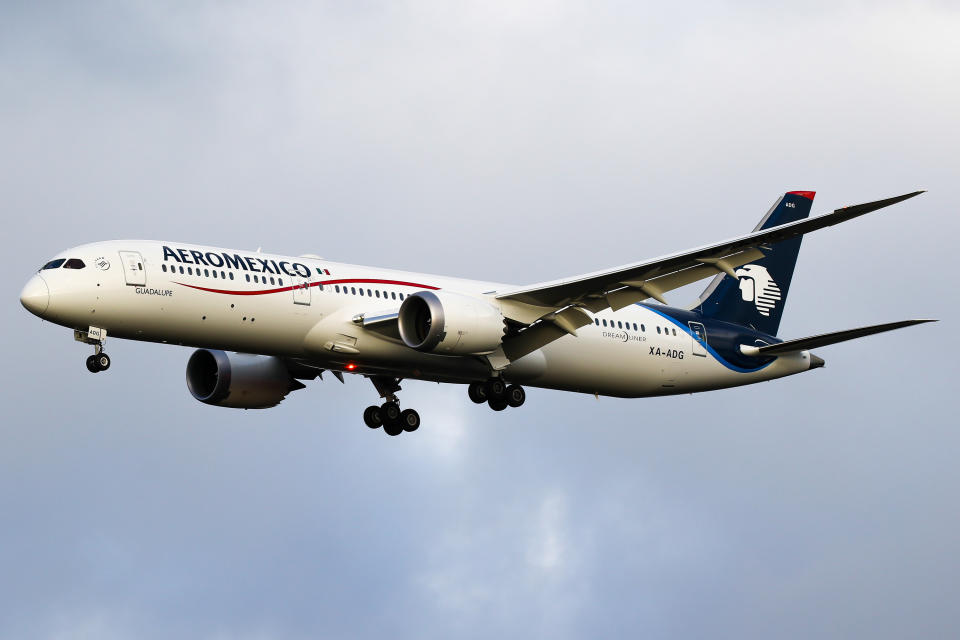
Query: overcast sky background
{"points": [[505, 141]]}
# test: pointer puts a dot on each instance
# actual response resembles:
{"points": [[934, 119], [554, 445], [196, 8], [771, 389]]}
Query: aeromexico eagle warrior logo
{"points": [[757, 286]]}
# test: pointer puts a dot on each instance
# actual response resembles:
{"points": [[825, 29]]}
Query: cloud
{"points": [[514, 142]]}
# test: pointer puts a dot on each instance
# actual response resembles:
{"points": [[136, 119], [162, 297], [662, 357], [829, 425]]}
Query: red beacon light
{"points": [[351, 366]]}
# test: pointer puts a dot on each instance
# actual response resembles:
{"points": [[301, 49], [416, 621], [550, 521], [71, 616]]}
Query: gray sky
{"points": [[513, 142]]}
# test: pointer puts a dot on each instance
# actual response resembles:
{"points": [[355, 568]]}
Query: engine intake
{"points": [[239, 380], [450, 323]]}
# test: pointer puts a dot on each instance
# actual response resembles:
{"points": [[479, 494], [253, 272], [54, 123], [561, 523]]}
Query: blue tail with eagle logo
{"points": [[757, 296]]}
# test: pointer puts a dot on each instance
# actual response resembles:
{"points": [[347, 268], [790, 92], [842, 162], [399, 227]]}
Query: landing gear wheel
{"points": [[92, 364], [393, 428], [372, 417], [103, 362], [390, 414], [497, 405], [477, 392], [516, 396], [496, 389], [410, 420]]}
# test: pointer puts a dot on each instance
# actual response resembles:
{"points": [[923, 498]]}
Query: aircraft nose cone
{"points": [[35, 297]]}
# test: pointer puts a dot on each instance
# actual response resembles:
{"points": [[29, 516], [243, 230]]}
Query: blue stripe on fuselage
{"points": [[713, 352]]}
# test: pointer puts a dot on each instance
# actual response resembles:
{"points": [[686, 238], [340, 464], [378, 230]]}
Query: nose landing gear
{"points": [[388, 415], [99, 361]]}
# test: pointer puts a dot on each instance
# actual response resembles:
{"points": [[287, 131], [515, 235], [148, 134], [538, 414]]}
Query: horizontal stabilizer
{"points": [[822, 340]]}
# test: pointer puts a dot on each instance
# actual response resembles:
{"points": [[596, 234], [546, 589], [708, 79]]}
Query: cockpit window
{"points": [[53, 264], [74, 263]]}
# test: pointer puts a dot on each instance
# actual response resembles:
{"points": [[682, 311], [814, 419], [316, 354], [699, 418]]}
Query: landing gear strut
{"points": [[99, 361], [497, 394], [388, 415]]}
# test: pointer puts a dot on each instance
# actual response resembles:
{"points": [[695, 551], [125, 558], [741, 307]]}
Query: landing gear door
{"points": [[301, 292], [133, 269], [699, 334]]}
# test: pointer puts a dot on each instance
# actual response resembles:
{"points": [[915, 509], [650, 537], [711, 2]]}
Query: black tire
{"points": [[477, 392], [410, 420], [392, 428], [372, 417], [496, 389], [497, 405], [389, 412], [103, 362], [92, 364], [516, 396]]}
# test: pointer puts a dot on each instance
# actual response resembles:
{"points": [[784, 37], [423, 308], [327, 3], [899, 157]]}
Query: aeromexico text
{"points": [[236, 261]]}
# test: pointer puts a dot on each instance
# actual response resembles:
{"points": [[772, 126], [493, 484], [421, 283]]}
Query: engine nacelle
{"points": [[450, 323], [238, 380]]}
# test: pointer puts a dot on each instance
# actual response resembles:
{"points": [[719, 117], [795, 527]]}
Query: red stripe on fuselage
{"points": [[260, 292]]}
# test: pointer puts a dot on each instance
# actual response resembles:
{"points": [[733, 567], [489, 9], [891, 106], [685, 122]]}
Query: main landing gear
{"points": [[497, 394], [388, 415]]}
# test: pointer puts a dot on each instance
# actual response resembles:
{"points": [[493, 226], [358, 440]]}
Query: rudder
{"points": [[757, 296]]}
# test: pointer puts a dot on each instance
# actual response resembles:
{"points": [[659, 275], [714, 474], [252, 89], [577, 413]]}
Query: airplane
{"points": [[262, 324]]}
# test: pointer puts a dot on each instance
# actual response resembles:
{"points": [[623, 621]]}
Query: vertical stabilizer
{"points": [[757, 296]]}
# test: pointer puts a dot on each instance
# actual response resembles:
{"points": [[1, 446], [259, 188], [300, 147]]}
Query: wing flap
{"points": [[547, 329], [825, 339], [640, 290]]}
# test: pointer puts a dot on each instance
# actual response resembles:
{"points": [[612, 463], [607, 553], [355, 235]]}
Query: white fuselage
{"points": [[304, 308]]}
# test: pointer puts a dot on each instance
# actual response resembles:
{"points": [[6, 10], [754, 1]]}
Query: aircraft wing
{"points": [[619, 287], [824, 339]]}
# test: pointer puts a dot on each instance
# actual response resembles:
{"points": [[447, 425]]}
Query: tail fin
{"points": [[757, 296]]}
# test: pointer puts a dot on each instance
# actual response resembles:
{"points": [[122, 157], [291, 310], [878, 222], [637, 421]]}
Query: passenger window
{"points": [[336, 288], [164, 268], [361, 291], [223, 275], [206, 273], [271, 280], [77, 263], [604, 322], [256, 279], [393, 294], [214, 273], [369, 293], [634, 326], [231, 275], [619, 325], [280, 282], [181, 270], [658, 329], [54, 264], [321, 287], [353, 290], [643, 328], [248, 276], [674, 332], [378, 294], [401, 296], [596, 321], [190, 271]]}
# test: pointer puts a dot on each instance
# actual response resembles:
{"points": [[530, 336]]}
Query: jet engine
{"points": [[238, 380], [450, 323]]}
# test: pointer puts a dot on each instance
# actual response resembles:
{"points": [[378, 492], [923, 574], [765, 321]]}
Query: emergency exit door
{"points": [[133, 269]]}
